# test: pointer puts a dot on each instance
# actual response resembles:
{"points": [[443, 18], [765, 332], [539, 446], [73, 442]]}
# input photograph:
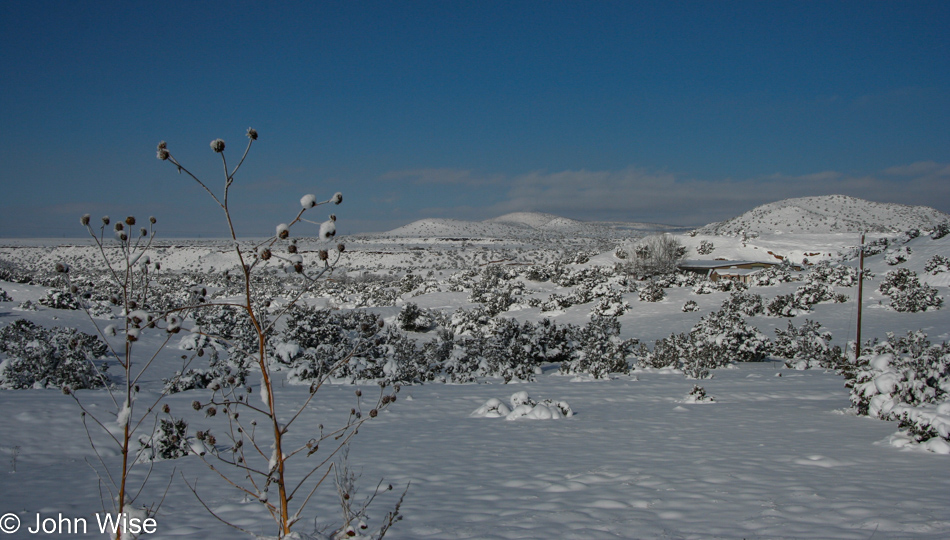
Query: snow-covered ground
{"points": [[778, 454]]}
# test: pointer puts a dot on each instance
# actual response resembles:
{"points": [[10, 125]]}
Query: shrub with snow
{"points": [[4, 297], [705, 247], [895, 256], [412, 318], [698, 395], [57, 299], [690, 305], [806, 346], [523, 407], [747, 303], [937, 265], [907, 293], [651, 292], [170, 441], [57, 357], [941, 230], [908, 380], [601, 351]]}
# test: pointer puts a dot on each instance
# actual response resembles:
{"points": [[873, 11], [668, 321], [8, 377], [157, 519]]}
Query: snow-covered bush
{"points": [[942, 229], [57, 357], [57, 299], [773, 275], [705, 247], [806, 346], [690, 305], [698, 395], [746, 303], [651, 292], [839, 275], [937, 265], [610, 305], [906, 379], [907, 293], [601, 351], [895, 256], [523, 407], [785, 305], [4, 297], [727, 333], [170, 441], [412, 318]]}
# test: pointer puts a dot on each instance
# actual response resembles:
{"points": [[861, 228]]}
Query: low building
{"points": [[723, 269]]}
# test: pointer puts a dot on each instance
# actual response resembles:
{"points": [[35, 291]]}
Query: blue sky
{"points": [[671, 112]]}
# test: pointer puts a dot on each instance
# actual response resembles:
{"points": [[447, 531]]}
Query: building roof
{"points": [[707, 264]]}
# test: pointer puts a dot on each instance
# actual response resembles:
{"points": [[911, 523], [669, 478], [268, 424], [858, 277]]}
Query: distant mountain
{"points": [[521, 225], [828, 214]]}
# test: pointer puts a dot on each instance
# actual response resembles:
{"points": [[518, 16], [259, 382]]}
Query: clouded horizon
{"points": [[670, 112]]}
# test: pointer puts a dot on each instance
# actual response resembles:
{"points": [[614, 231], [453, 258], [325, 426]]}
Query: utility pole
{"points": [[857, 345]]}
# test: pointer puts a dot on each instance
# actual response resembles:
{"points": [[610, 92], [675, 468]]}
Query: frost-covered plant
{"points": [[412, 318], [773, 275], [250, 470], [698, 395], [690, 305], [611, 304], [937, 265], [730, 338], [906, 379], [4, 296], [747, 303], [839, 275], [806, 346], [895, 256], [785, 305], [942, 229], [907, 293], [705, 247], [601, 351], [57, 357], [651, 292], [59, 300], [169, 441]]}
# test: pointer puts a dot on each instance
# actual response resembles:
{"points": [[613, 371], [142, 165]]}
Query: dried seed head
{"points": [[143, 231], [123, 237], [119, 226], [211, 411], [264, 254], [308, 201], [67, 390], [201, 352], [166, 409], [337, 198], [196, 405], [292, 248], [162, 145], [200, 435], [252, 134], [84, 219], [385, 400], [130, 220], [211, 439], [217, 145], [359, 393], [332, 217], [62, 268], [105, 220], [283, 231], [152, 220], [373, 413], [298, 267], [323, 255], [340, 248]]}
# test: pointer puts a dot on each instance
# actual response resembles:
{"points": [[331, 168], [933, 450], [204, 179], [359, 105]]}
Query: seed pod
{"points": [[252, 134], [166, 409], [196, 405], [373, 413], [217, 145], [130, 221], [340, 248], [105, 220], [323, 255], [292, 248], [84, 219], [152, 220]]}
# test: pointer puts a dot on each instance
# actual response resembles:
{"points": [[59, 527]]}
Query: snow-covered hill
{"points": [[828, 214]]}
